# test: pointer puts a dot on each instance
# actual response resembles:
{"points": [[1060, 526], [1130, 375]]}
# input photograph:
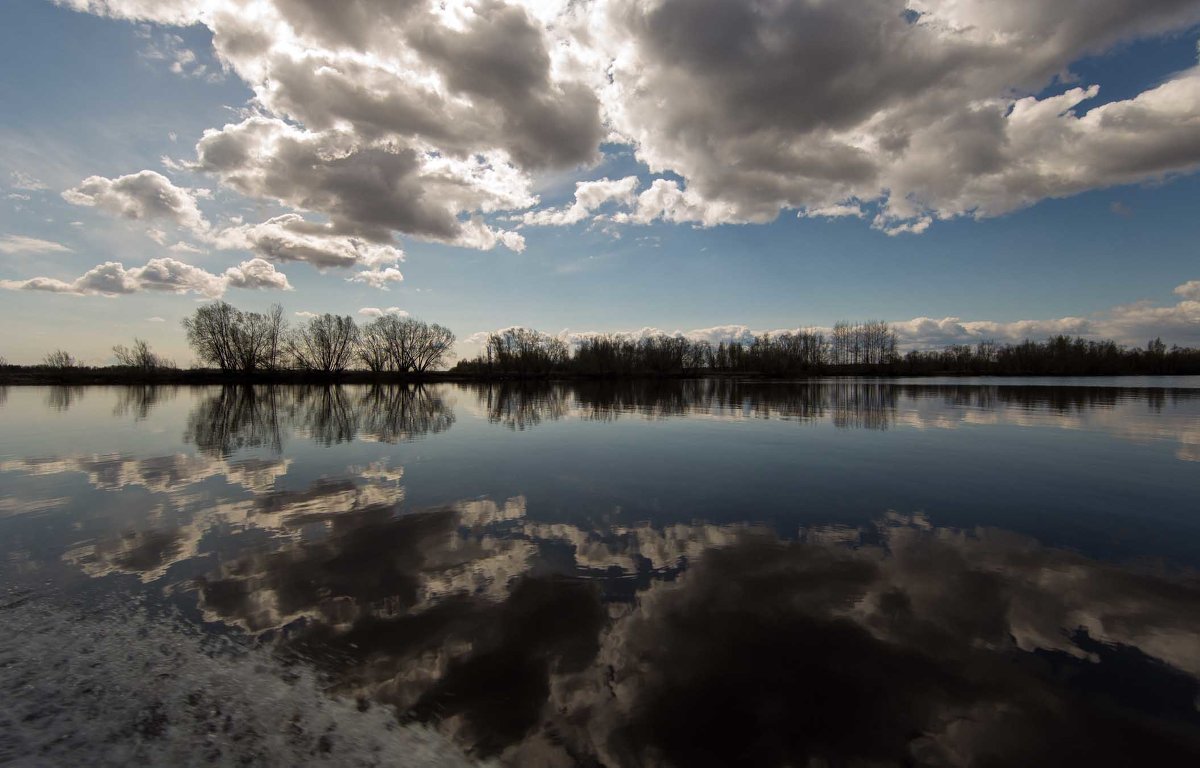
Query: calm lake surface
{"points": [[713, 572]]}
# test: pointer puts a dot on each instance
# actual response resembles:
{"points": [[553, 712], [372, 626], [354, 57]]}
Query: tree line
{"points": [[249, 343], [868, 347], [524, 351]]}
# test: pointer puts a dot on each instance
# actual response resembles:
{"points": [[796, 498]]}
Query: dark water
{"points": [[960, 572]]}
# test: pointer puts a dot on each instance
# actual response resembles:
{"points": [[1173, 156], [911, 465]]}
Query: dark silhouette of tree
{"points": [[373, 349], [60, 359], [525, 351], [325, 343], [404, 344], [139, 356], [234, 340]]}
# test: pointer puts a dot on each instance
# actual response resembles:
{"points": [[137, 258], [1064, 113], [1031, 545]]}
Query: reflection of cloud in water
{"points": [[12, 505], [147, 553], [896, 643], [367, 560], [160, 474], [150, 550]]}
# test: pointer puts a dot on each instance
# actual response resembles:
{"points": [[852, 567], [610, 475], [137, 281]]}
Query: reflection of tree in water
{"points": [[894, 644], [326, 414], [847, 403], [520, 406], [243, 417], [1056, 399], [236, 417], [853, 404], [396, 413], [139, 400], [61, 398]]}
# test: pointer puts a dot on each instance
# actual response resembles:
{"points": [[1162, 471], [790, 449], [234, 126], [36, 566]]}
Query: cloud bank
{"points": [[112, 278], [423, 117]]}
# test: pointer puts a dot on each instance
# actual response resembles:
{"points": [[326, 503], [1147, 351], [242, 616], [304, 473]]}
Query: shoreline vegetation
{"points": [[233, 347]]}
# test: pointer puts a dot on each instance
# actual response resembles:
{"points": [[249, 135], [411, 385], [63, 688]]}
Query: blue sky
{"points": [[1097, 235]]}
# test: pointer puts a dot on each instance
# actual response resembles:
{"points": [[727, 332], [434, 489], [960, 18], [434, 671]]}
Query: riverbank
{"points": [[116, 376]]}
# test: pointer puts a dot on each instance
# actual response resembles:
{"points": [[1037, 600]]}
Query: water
{"points": [[936, 572]]}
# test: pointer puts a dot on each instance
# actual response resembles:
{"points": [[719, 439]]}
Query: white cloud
{"points": [[377, 278], [1189, 290], [12, 244], [156, 319], [306, 314], [377, 312], [835, 211], [142, 196], [667, 201], [165, 274], [22, 180], [290, 238], [589, 195], [169, 49]]}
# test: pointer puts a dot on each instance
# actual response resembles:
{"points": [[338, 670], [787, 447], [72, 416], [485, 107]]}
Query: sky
{"points": [[963, 169]]}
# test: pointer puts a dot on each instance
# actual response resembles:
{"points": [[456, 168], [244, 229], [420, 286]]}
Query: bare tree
{"points": [[211, 333], [431, 346], [60, 359], [139, 356], [325, 343], [372, 348], [237, 341], [404, 344], [524, 350]]}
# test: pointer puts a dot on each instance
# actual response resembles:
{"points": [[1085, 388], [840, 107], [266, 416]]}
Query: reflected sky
{"points": [[659, 573]]}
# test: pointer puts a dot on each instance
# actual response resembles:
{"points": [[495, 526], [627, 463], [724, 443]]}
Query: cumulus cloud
{"points": [[418, 117], [1189, 290], [166, 275], [377, 312], [667, 201], [291, 238], [589, 195], [367, 189], [142, 196], [377, 278], [923, 108], [12, 244]]}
